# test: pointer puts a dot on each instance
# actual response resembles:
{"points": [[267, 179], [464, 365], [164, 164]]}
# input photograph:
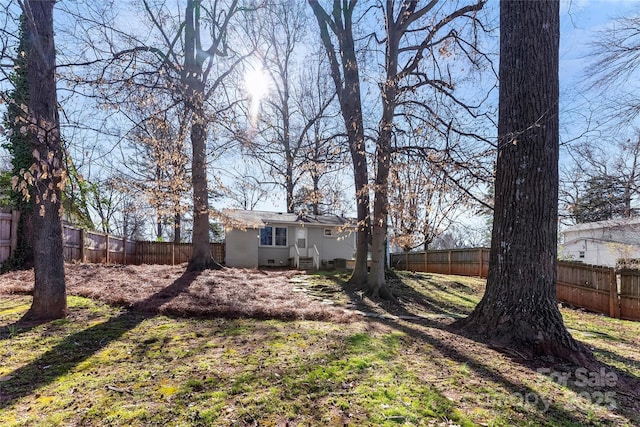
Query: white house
{"points": [[602, 242], [273, 239]]}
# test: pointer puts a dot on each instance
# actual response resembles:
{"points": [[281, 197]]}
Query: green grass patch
{"points": [[108, 366]]}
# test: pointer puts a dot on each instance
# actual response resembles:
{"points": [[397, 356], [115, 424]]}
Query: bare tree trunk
{"points": [[289, 185], [49, 294], [377, 283], [176, 227], [377, 286], [358, 156], [519, 308], [316, 193], [346, 77], [201, 258], [288, 149], [159, 227]]}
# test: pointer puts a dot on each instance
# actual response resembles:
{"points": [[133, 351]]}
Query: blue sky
{"points": [[580, 22]]}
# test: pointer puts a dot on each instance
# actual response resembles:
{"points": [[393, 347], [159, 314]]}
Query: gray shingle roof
{"points": [[252, 219], [607, 224]]}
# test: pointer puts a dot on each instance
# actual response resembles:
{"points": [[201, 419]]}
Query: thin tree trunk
{"points": [[176, 228], [49, 294], [159, 227], [519, 308], [290, 186], [316, 194]]}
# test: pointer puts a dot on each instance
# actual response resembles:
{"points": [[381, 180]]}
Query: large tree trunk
{"points": [[377, 286], [360, 270], [351, 106], [49, 294], [377, 282], [346, 77], [201, 258], [519, 308]]}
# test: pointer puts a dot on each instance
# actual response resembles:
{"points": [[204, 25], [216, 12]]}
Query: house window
{"points": [[281, 236], [328, 232], [273, 236], [581, 254]]}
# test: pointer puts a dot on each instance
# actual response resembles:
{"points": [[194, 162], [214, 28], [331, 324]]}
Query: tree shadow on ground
{"points": [[409, 303], [17, 328], [592, 382], [606, 353], [433, 332], [63, 357]]}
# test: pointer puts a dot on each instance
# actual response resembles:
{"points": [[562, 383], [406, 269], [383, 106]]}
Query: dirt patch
{"points": [[231, 293]]}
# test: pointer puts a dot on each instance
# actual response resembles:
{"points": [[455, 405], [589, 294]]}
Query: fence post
{"points": [[83, 255], [124, 251], [106, 238], [426, 261], [173, 253], [480, 262], [449, 260], [614, 297], [139, 252], [15, 219]]}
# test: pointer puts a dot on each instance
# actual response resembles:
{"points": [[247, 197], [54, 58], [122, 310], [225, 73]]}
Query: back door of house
{"points": [[301, 239]]}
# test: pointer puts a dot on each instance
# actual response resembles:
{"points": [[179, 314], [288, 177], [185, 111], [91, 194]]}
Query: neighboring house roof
{"points": [[255, 219], [608, 224], [603, 241]]}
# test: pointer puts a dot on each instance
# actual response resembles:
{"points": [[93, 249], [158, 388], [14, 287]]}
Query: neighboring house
{"points": [[272, 239], [602, 242]]}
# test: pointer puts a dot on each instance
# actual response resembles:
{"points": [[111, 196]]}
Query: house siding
{"points": [[601, 245], [279, 256], [241, 248], [244, 249], [340, 245]]}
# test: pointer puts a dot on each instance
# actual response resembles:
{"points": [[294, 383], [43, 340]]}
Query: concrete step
{"points": [[305, 263]]}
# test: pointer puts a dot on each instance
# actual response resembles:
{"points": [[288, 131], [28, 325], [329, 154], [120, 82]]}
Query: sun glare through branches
{"points": [[256, 83]]}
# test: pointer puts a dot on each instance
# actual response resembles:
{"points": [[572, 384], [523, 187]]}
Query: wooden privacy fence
{"points": [[98, 248], [88, 246], [8, 234], [600, 289], [606, 290], [463, 262], [588, 286], [629, 294], [172, 253], [105, 249]]}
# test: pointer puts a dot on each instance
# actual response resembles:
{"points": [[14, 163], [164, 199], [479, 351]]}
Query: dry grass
{"points": [[230, 293]]}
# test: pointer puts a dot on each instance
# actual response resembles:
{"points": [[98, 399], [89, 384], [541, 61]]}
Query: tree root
{"points": [[204, 264]]}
